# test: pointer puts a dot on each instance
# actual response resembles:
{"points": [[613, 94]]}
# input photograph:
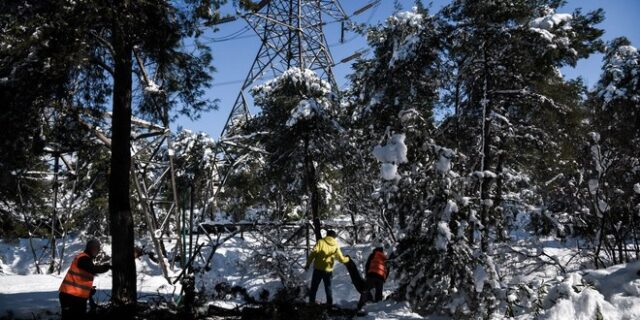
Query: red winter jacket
{"points": [[376, 264]]}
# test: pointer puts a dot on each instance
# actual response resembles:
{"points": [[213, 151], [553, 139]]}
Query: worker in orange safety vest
{"points": [[77, 286], [377, 273]]}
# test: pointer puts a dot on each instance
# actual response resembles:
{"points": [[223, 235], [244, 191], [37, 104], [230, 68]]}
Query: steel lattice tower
{"points": [[291, 32]]}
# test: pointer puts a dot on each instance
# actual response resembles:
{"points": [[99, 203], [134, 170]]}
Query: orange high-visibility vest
{"points": [[376, 266], [77, 282]]}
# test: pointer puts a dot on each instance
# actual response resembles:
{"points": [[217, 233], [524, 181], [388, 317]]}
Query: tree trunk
{"points": [[485, 183], [312, 188], [122, 235], [54, 215], [315, 205], [352, 213], [499, 215]]}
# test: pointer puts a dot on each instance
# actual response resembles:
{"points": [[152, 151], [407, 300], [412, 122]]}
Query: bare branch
{"points": [[104, 42], [103, 65], [145, 75]]}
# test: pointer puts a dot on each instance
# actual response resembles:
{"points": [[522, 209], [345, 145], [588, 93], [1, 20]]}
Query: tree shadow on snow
{"points": [[29, 305]]}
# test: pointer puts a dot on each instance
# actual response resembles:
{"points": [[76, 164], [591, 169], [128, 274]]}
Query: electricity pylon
{"points": [[291, 32]]}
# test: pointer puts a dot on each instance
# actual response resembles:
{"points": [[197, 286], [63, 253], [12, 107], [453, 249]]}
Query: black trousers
{"points": [[374, 283], [73, 308], [319, 275]]}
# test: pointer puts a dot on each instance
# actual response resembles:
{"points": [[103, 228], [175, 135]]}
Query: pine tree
{"points": [[504, 52], [296, 131], [611, 158], [417, 194], [502, 102], [195, 167], [392, 98], [503, 58], [85, 54], [556, 167]]}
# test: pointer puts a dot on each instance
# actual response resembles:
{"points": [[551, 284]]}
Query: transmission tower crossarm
{"points": [[261, 5], [337, 7], [231, 18], [270, 19]]}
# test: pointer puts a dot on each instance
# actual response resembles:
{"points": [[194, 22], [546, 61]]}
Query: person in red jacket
{"points": [[77, 285], [377, 273]]}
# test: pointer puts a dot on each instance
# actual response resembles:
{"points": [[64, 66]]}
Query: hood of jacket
{"points": [[330, 240]]}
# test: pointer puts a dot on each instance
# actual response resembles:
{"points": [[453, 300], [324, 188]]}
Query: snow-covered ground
{"points": [[612, 293], [231, 265], [25, 294]]}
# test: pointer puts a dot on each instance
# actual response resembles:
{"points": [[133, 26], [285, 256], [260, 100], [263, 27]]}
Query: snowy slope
{"points": [[612, 294], [24, 293], [230, 265]]}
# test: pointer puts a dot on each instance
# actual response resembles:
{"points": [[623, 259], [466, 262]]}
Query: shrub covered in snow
{"points": [[441, 269], [295, 140], [621, 73]]}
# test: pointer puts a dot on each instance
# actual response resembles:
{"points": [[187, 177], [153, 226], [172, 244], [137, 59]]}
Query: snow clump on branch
{"points": [[391, 154]]}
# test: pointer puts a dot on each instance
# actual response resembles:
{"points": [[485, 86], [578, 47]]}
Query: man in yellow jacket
{"points": [[323, 256]]}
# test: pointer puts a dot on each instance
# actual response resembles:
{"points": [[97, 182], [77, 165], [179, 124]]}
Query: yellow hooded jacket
{"points": [[324, 254]]}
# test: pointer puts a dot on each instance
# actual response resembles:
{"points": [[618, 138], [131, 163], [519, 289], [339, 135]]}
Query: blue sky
{"points": [[232, 59]]}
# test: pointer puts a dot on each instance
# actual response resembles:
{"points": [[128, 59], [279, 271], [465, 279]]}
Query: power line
{"points": [[375, 5], [226, 83], [238, 34], [366, 7], [230, 36], [235, 38], [230, 82]]}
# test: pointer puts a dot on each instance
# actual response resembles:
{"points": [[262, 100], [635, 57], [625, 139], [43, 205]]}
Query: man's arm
{"points": [[312, 256], [340, 257], [86, 264]]}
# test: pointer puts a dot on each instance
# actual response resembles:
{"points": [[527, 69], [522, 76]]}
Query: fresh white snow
{"points": [[622, 68], [306, 109], [612, 294], [391, 154], [25, 294]]}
